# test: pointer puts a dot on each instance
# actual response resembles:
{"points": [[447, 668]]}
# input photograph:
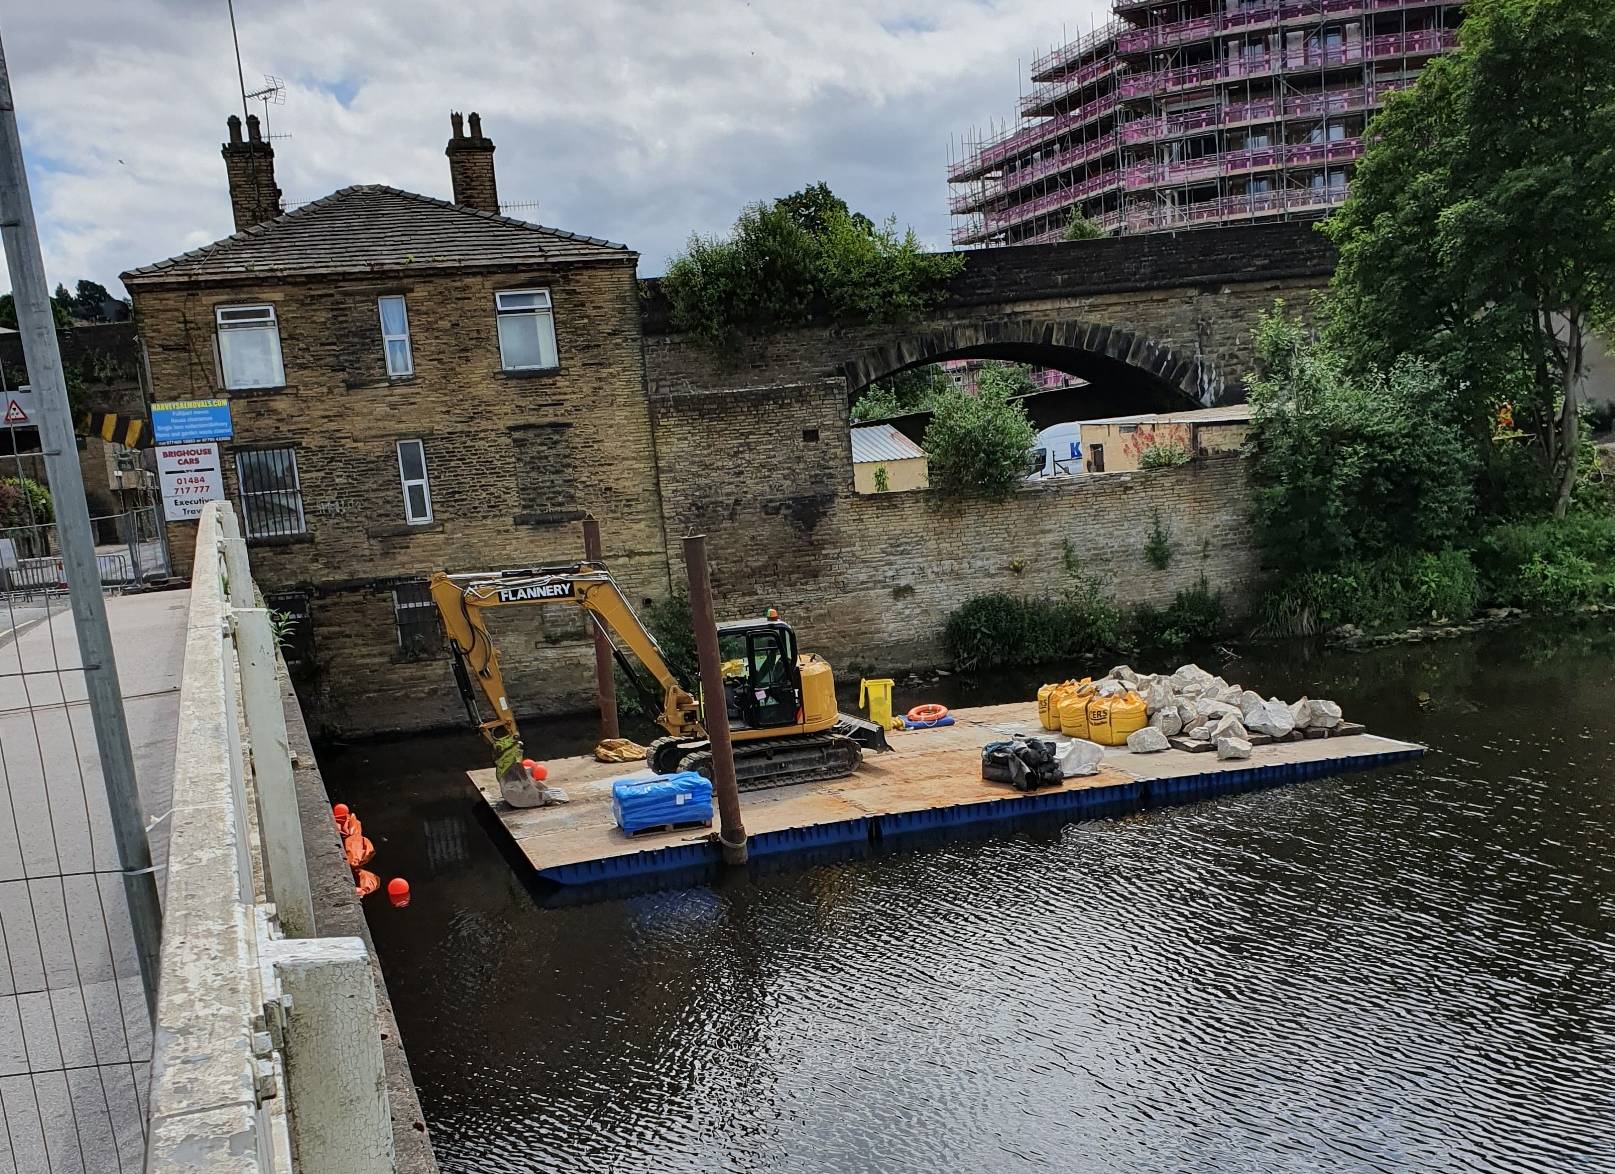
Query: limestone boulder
{"points": [[1110, 687], [1228, 726], [1190, 674], [1158, 696], [1301, 714], [1149, 740], [1325, 714], [1186, 713], [1167, 721], [1200, 733], [1271, 717], [1206, 708], [1124, 673], [1232, 748]]}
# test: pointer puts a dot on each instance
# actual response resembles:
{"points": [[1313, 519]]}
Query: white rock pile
{"points": [[1194, 704]]}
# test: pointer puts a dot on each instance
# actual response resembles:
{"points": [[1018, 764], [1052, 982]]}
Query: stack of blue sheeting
{"points": [[638, 804]]}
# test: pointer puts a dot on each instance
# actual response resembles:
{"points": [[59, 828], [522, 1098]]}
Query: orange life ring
{"points": [[927, 713]]}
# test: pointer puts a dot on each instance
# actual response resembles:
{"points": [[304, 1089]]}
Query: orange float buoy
{"points": [[927, 713], [339, 813], [539, 771], [398, 892], [368, 882]]}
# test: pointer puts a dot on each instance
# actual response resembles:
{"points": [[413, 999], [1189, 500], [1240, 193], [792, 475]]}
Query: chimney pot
{"points": [[471, 167], [458, 123], [250, 168]]}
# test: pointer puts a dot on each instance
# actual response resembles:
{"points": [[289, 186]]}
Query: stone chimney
{"points": [[471, 165], [250, 166]]}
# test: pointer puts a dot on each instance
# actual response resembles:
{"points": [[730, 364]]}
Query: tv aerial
{"points": [[271, 93]]}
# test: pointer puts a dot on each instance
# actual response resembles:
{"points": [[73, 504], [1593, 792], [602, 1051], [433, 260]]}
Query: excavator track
{"points": [[779, 762]]}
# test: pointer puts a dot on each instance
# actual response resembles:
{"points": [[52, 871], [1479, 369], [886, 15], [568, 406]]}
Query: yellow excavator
{"points": [[781, 702]]}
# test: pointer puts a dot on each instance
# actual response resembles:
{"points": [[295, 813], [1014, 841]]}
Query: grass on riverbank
{"points": [[1544, 565]]}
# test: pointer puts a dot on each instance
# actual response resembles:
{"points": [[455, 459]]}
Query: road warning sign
{"points": [[16, 414]]}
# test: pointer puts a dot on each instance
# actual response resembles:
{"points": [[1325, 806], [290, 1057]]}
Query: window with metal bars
{"points": [[271, 497], [415, 616]]}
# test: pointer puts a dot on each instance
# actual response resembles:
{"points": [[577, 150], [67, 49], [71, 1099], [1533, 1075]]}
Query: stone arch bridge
{"points": [[1153, 322]]}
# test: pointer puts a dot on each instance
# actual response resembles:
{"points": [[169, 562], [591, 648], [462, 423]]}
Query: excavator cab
{"points": [[762, 685]]}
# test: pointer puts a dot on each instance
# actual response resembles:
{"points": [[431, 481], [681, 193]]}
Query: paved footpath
{"points": [[74, 1035]]}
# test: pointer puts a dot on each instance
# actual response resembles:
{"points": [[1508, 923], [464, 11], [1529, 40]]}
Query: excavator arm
{"points": [[463, 601]]}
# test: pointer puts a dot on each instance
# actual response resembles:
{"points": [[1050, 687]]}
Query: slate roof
{"points": [[882, 442], [371, 227]]}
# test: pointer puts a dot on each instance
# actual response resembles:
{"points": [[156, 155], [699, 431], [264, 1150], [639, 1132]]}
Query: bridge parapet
{"points": [[267, 1054]]}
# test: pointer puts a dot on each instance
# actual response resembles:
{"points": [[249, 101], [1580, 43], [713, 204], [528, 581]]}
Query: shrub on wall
{"points": [[801, 255], [1163, 454], [977, 445]]}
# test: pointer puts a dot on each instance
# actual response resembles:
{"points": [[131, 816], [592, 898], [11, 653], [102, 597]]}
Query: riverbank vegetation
{"points": [[1423, 452], [1083, 622], [792, 260]]}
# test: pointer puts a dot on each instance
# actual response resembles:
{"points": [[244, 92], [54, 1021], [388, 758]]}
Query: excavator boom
{"points": [[463, 601]]}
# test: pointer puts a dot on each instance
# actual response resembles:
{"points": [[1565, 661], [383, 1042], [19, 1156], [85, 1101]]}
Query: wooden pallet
{"points": [[667, 827]]}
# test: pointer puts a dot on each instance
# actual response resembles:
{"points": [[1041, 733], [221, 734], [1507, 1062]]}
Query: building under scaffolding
{"points": [[1192, 112]]}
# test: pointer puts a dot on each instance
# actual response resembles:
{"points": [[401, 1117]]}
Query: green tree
{"points": [[1352, 467], [8, 312], [815, 206], [89, 301], [978, 445], [1081, 228], [799, 257], [1480, 232], [1006, 379], [911, 390]]}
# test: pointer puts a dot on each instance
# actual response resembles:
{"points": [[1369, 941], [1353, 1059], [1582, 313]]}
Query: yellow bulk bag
{"points": [[1074, 716], [1111, 719], [1049, 698], [1047, 716]]}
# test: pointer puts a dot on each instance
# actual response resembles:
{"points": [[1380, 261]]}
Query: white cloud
{"points": [[627, 119]]}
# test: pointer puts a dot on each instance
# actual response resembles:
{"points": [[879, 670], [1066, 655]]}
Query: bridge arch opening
{"points": [[1125, 372]]}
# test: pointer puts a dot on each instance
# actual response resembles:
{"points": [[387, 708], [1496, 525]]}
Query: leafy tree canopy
{"points": [[1347, 466], [978, 445], [1480, 232], [912, 390], [1081, 228], [798, 257], [62, 314]]}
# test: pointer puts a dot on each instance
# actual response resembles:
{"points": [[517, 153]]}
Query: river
{"points": [[1409, 969]]}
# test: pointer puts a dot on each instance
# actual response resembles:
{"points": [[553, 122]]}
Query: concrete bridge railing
{"points": [[266, 1055]]}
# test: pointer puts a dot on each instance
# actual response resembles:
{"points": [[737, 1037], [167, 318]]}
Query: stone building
{"points": [[415, 383]]}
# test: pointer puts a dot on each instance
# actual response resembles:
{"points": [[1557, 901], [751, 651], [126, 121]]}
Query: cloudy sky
{"points": [[635, 120]]}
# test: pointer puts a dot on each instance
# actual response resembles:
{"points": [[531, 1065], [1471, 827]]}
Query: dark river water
{"points": [[1411, 969]]}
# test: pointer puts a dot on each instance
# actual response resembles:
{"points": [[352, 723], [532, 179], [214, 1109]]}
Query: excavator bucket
{"points": [[866, 733]]}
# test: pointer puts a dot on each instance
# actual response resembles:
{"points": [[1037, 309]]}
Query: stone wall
{"points": [[869, 580]]}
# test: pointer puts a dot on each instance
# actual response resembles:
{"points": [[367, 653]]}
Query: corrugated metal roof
{"points": [[371, 227], [882, 442], [1227, 414]]}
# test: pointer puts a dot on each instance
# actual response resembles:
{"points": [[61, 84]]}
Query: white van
{"points": [[1062, 448]]}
